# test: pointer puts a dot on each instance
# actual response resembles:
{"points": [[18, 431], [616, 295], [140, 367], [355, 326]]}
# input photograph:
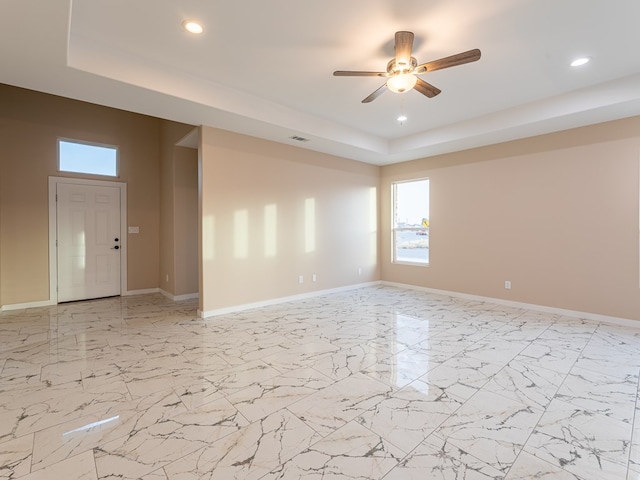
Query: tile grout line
{"points": [[633, 424], [554, 396], [432, 434], [484, 385]]}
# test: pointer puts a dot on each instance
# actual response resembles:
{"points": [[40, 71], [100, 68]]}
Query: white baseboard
{"points": [[22, 306], [178, 298], [276, 301], [144, 291], [627, 322], [129, 293]]}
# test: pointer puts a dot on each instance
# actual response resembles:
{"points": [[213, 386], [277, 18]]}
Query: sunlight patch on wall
{"points": [[208, 237], [270, 230], [241, 234], [310, 225], [373, 224]]}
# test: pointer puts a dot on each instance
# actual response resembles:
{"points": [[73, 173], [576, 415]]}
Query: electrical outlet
{"points": [[314, 277], [359, 270], [300, 279], [167, 278], [507, 284]]}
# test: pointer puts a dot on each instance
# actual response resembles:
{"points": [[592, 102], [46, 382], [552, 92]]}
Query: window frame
{"points": [[395, 229], [90, 144]]}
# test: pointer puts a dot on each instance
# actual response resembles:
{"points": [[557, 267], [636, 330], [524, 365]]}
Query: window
{"points": [[87, 158], [411, 222]]}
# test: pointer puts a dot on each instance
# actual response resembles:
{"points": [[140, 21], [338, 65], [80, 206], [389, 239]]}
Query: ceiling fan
{"points": [[402, 70]]}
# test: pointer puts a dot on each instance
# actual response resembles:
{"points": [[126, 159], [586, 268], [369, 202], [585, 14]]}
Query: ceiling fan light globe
{"points": [[402, 83]]}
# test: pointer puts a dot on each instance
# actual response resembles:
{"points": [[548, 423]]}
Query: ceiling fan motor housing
{"points": [[395, 68]]}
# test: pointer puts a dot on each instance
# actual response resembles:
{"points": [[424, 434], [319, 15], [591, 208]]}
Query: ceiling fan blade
{"points": [[426, 88], [404, 44], [452, 61], [375, 94], [343, 73]]}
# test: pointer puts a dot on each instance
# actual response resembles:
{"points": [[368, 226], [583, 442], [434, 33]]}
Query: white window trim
{"points": [[395, 229]]}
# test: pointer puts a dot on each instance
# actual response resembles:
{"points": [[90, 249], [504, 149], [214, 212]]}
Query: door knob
{"points": [[116, 239], [115, 248]]}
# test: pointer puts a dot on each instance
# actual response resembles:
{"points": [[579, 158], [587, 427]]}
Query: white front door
{"points": [[88, 241]]}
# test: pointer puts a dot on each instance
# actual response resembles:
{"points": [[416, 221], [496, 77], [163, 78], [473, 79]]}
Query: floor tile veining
{"points": [[374, 383]]}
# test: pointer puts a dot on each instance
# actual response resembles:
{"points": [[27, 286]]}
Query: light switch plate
{"points": [[134, 229]]}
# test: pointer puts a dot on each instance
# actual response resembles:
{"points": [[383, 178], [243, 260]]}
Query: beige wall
{"points": [[186, 221], [557, 215], [178, 212], [31, 124], [271, 212], [3, 127], [166, 272]]}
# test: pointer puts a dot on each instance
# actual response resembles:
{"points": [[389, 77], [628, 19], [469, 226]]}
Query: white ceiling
{"points": [[264, 68]]}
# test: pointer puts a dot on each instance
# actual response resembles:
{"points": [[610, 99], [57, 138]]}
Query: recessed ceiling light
{"points": [[402, 118], [192, 27], [580, 61]]}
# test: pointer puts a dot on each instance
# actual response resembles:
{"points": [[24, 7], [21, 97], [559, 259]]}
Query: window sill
{"points": [[415, 264]]}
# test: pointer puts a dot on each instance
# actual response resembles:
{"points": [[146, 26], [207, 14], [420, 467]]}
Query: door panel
{"points": [[88, 229]]}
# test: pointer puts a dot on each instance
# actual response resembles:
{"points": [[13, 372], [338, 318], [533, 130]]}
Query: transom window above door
{"points": [[88, 158]]}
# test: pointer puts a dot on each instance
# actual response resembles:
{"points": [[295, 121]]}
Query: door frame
{"points": [[53, 227]]}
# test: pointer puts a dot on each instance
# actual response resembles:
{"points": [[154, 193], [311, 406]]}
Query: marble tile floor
{"points": [[374, 383]]}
